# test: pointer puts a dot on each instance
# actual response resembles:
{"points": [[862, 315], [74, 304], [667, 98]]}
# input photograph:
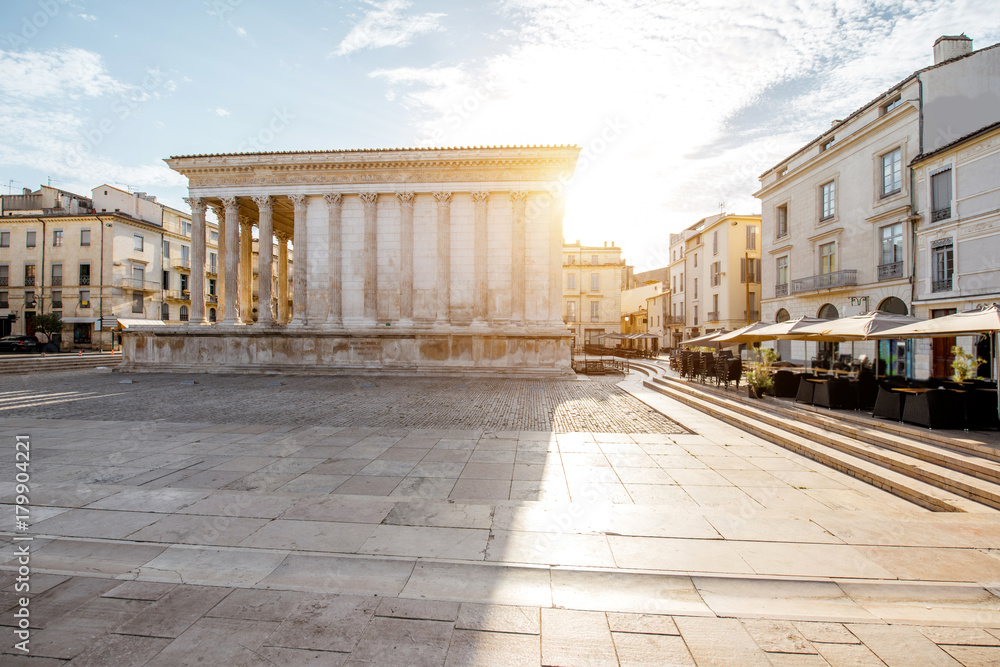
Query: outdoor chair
{"points": [[804, 394], [981, 409], [835, 394], [867, 390], [889, 404], [935, 409], [786, 384]]}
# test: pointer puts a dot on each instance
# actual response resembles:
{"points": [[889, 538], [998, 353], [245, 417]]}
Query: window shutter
{"points": [[743, 269]]}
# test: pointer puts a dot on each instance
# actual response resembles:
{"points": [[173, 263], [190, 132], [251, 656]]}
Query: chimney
{"points": [[948, 47]]}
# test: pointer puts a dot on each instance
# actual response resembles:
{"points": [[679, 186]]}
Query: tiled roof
{"points": [[377, 150]]}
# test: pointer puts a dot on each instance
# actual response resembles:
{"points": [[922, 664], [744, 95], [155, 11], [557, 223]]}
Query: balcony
{"points": [[890, 271], [138, 285], [56, 281], [845, 278], [4, 280], [673, 320], [182, 264], [754, 315], [84, 279], [29, 281], [941, 285], [940, 214], [712, 316], [176, 295], [781, 290], [212, 299]]}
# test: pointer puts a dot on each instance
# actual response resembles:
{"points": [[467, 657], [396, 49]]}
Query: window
{"points": [[211, 286], [184, 282], [781, 269], [185, 253], [892, 172], [57, 298], [213, 236], [166, 280], [593, 260], [715, 305], [4, 275], [781, 221], [891, 265], [716, 277], [137, 242], [56, 275], [941, 195], [166, 248], [828, 194], [57, 236], [943, 264], [211, 314], [4, 303], [187, 228], [828, 257], [595, 282], [674, 282], [827, 144], [85, 298], [213, 262], [183, 314], [164, 311], [29, 298], [595, 311], [4, 239], [751, 237], [571, 311], [138, 276], [715, 242], [84, 237], [137, 302], [29, 239], [891, 104], [696, 260], [696, 288], [84, 274], [696, 315], [29, 275], [753, 269], [682, 282], [571, 281]]}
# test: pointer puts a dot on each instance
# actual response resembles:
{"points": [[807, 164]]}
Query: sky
{"points": [[678, 105]]}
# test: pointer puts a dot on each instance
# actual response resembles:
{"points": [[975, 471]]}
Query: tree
{"points": [[49, 324]]}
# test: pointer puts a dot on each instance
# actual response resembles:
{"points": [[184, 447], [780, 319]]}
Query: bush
{"points": [[965, 366]]}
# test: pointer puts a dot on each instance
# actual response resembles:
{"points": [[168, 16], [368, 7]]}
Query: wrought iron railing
{"points": [[941, 285], [845, 278], [139, 285], [712, 316], [890, 270], [940, 214], [781, 290]]}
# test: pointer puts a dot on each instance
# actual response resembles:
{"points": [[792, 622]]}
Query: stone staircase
{"points": [[943, 471], [57, 362]]}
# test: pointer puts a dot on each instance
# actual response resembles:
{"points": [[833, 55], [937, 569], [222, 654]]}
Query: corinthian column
{"points": [[246, 270], [220, 284], [197, 260], [370, 200], [517, 260], [300, 242], [265, 259], [481, 276], [443, 256], [228, 253], [333, 209], [405, 256], [282, 277], [557, 207]]}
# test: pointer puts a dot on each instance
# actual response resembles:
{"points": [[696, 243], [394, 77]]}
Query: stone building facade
{"points": [[592, 291], [407, 260]]}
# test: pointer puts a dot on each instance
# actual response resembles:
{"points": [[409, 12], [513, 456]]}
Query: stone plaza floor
{"points": [[264, 520]]}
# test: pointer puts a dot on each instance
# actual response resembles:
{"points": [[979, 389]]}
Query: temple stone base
{"points": [[249, 349]]}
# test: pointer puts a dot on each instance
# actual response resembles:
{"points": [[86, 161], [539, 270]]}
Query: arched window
{"points": [[164, 312], [211, 314], [828, 312], [184, 314], [894, 305], [781, 316]]}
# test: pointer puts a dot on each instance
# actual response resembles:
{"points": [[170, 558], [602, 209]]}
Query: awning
{"points": [[126, 323], [857, 327], [81, 320]]}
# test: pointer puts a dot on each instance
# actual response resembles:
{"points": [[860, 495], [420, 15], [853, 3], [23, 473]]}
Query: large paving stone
{"points": [[326, 623]]}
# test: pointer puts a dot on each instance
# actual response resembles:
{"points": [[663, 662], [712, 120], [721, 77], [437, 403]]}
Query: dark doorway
{"points": [[941, 356]]}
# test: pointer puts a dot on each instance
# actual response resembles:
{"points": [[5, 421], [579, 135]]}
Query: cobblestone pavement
{"points": [[562, 406], [235, 525]]}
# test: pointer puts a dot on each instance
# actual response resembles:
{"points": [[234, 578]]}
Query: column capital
{"points": [[517, 197], [283, 237], [219, 211], [230, 203], [405, 199], [369, 198], [264, 202], [197, 205], [298, 200], [333, 199], [246, 221], [442, 198], [481, 198]]}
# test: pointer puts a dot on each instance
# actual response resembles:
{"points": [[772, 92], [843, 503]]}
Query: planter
{"points": [[755, 392]]}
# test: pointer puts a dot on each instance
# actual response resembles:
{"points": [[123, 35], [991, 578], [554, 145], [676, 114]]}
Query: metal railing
{"points": [[4, 280], [85, 279], [182, 264], [940, 214], [712, 316], [845, 278], [941, 285], [890, 270], [781, 290], [138, 285], [673, 319], [176, 295]]}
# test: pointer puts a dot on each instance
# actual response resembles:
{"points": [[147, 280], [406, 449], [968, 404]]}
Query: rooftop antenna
{"points": [[127, 186], [10, 186], [722, 207], [51, 181]]}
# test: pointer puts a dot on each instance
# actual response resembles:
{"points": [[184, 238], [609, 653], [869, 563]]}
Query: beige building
{"points": [[841, 214], [412, 259], [715, 276], [592, 291]]}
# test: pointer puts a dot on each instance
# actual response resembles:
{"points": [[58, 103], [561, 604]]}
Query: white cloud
{"points": [[88, 17], [241, 31], [385, 25], [219, 111], [66, 73], [708, 93]]}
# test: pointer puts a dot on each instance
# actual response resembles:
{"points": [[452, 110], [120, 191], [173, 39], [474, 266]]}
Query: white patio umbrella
{"points": [[857, 327], [787, 329], [708, 340], [747, 334]]}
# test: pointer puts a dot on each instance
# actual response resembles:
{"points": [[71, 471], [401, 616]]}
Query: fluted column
{"points": [[283, 317], [265, 258], [220, 290], [517, 260], [405, 256], [197, 315], [246, 270], [300, 242], [557, 207], [228, 254], [334, 300], [443, 256], [370, 200], [480, 251]]}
